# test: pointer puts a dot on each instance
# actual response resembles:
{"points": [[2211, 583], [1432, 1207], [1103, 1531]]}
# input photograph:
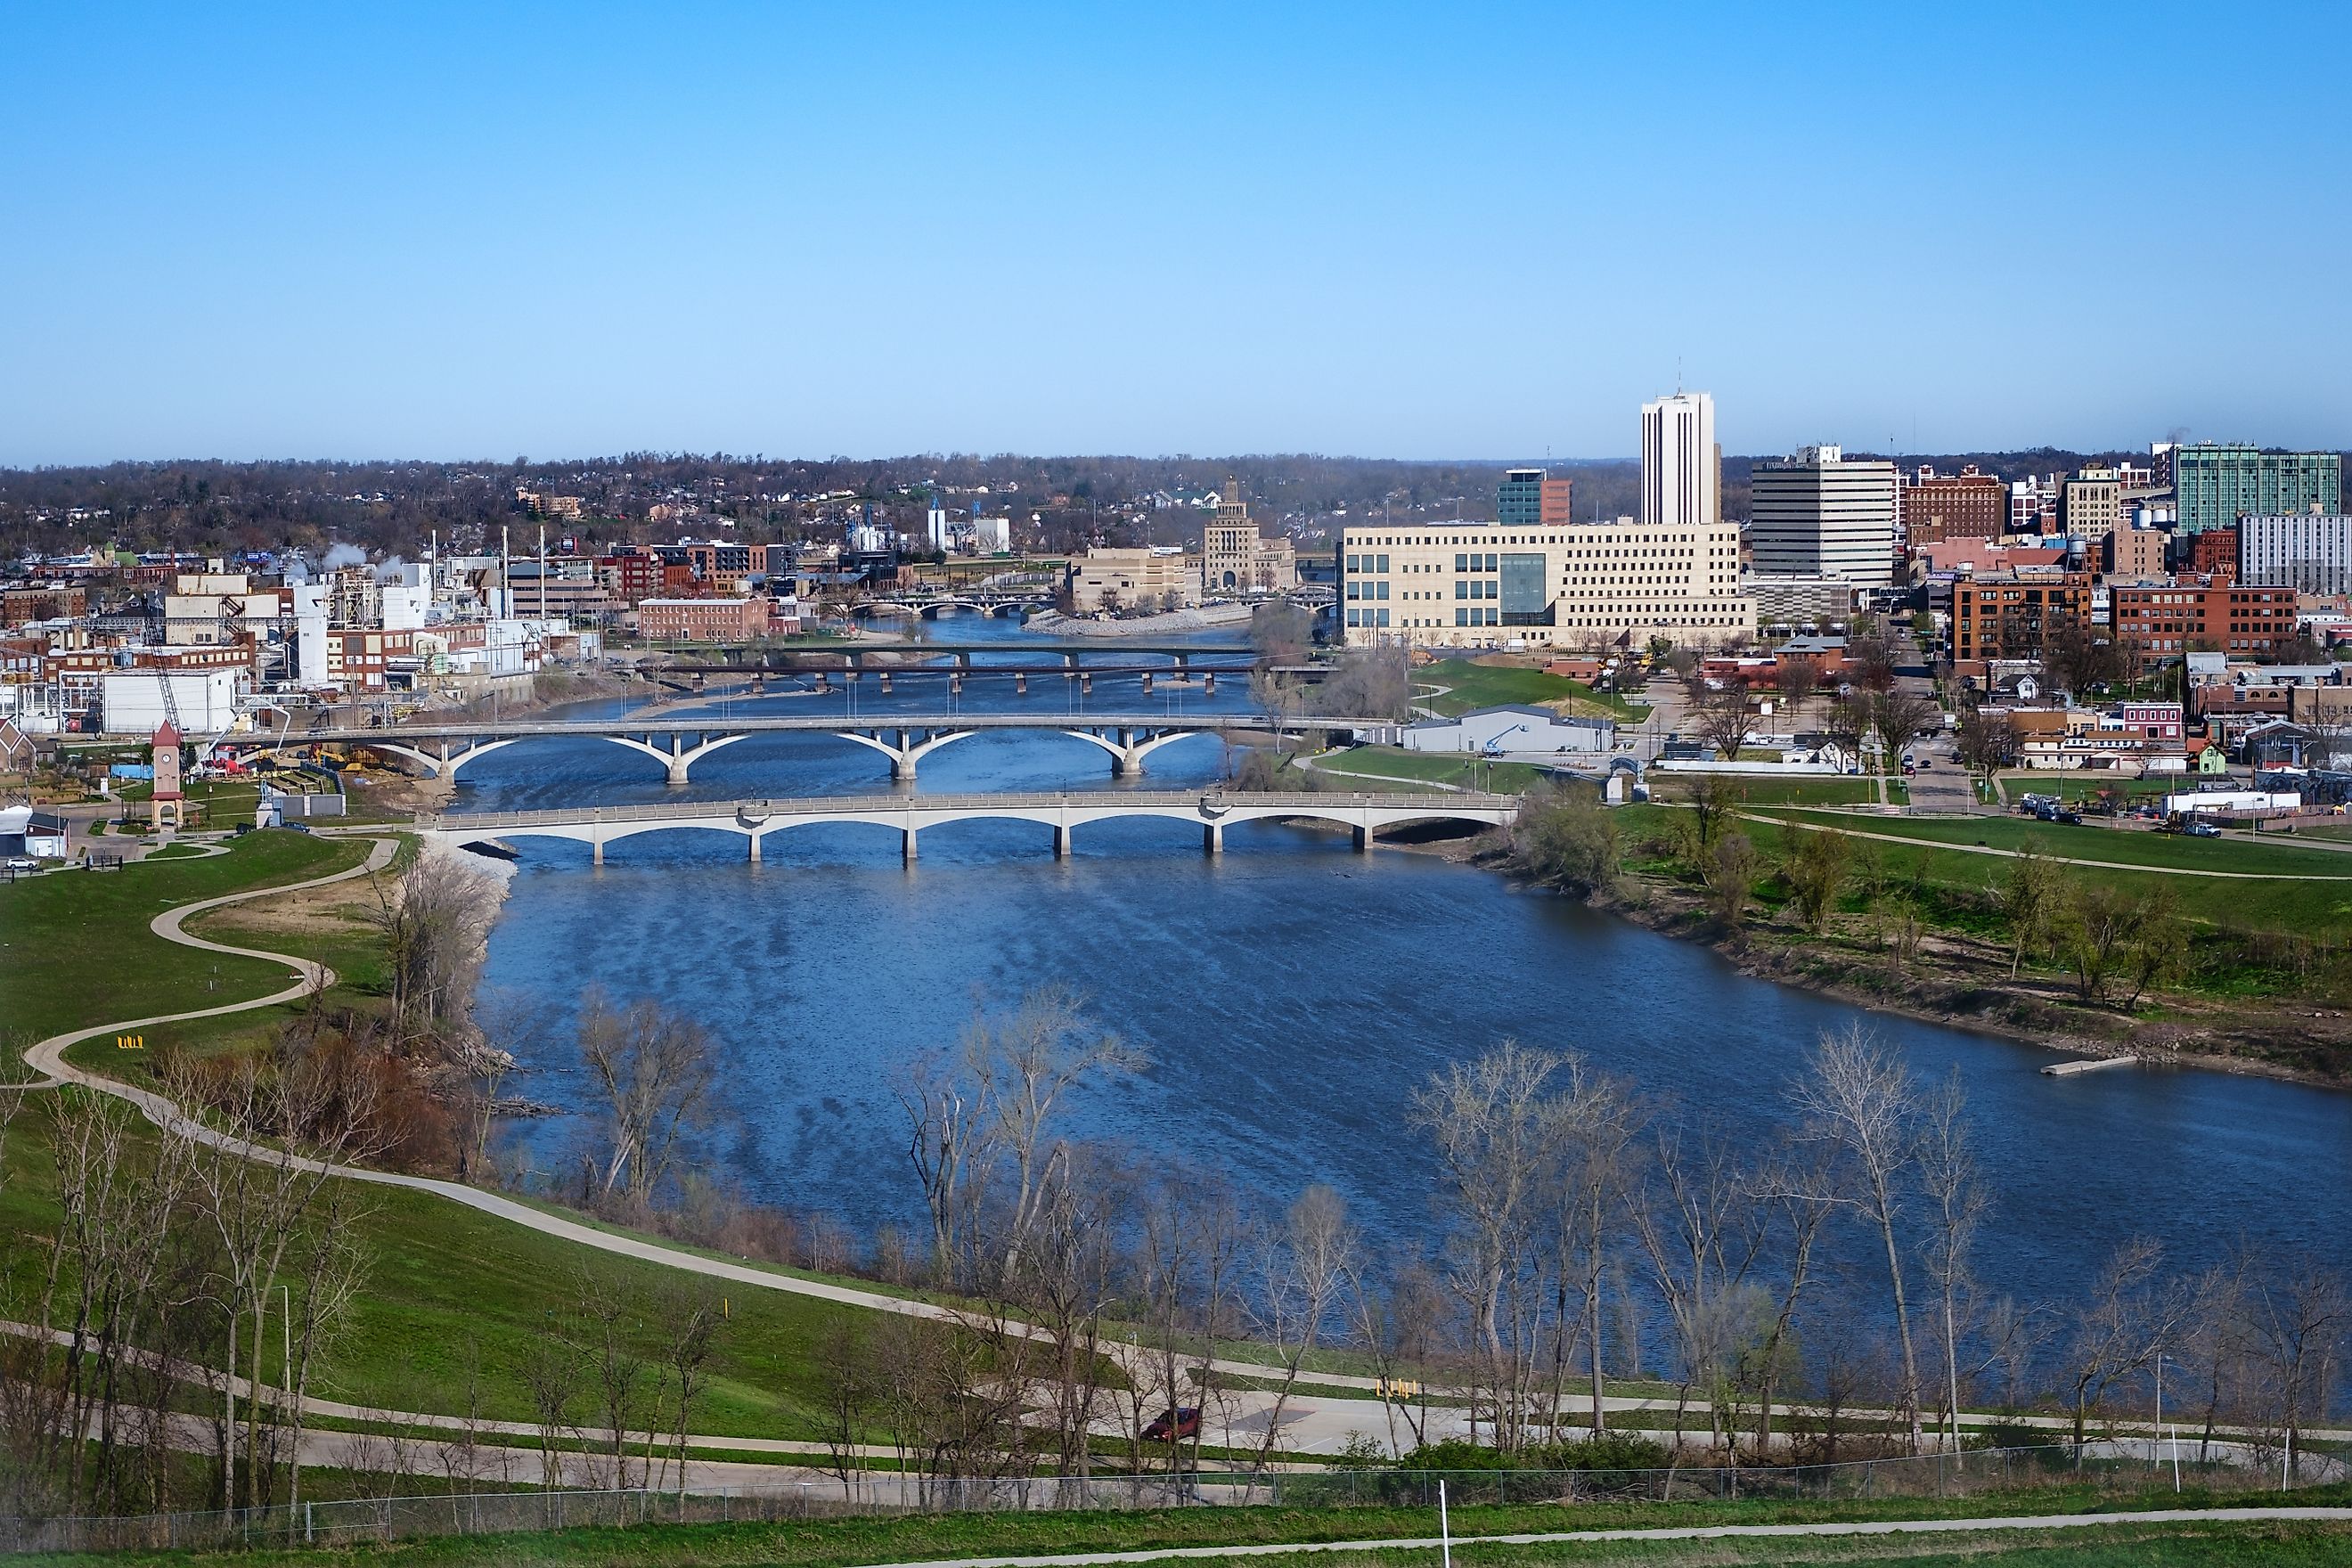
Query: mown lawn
{"points": [[1806, 790], [1437, 768], [841, 1542], [455, 1297], [2088, 841], [75, 948], [1485, 685]]}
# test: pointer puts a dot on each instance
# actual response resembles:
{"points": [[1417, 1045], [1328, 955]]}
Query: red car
{"points": [[1173, 1425]]}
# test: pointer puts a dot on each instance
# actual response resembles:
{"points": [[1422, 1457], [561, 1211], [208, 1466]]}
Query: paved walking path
{"points": [[1328, 1422], [1683, 1532], [2056, 859]]}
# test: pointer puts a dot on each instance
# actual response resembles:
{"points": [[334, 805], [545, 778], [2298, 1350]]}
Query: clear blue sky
{"points": [[1446, 230]]}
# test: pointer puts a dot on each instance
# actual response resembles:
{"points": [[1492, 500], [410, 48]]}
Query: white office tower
{"points": [[1682, 468], [1817, 515]]}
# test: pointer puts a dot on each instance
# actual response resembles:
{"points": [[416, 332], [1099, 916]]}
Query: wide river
{"points": [[1291, 995]]}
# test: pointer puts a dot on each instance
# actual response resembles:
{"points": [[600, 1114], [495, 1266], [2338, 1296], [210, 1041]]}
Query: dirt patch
{"points": [[342, 909]]}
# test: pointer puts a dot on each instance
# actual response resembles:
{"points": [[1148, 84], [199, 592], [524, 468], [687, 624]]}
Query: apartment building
{"points": [[2309, 553], [1934, 508], [2219, 484], [2094, 503], [1481, 584], [2010, 616], [2164, 622]]}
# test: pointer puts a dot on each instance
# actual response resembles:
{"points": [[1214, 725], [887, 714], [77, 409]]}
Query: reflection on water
{"points": [[1290, 994]]}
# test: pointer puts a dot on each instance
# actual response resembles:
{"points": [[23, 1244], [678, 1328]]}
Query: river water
{"points": [[1291, 995]]}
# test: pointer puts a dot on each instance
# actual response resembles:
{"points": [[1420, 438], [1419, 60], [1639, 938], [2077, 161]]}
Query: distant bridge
{"points": [[905, 739], [596, 826], [913, 656], [1015, 602]]}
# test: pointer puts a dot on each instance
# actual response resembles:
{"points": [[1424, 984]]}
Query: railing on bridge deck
{"points": [[1447, 805]]}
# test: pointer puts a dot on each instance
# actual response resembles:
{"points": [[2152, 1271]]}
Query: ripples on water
{"points": [[1291, 995]]}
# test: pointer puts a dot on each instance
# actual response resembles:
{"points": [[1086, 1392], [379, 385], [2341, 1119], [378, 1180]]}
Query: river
{"points": [[1291, 995]]}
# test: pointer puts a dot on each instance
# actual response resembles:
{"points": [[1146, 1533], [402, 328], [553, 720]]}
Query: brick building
{"points": [[702, 620], [1940, 507], [2010, 616], [2164, 622], [2212, 550]]}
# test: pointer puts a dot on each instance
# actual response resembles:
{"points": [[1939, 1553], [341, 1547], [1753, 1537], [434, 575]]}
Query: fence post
{"points": [[306, 1522]]}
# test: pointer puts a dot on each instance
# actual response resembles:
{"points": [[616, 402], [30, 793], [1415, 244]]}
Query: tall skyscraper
{"points": [[1682, 468], [2220, 484], [1529, 497], [1818, 515]]}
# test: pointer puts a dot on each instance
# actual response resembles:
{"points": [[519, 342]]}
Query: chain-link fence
{"points": [[2119, 1470]]}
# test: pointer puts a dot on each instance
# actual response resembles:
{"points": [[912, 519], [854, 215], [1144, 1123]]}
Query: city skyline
{"points": [[305, 235]]}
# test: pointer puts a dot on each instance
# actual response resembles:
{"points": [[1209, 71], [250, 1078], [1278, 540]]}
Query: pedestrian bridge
{"points": [[1212, 813], [678, 743]]}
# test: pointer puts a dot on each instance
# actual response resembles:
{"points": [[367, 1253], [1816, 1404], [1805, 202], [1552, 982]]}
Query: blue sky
{"points": [[1449, 230]]}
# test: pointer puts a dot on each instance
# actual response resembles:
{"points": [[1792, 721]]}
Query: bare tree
{"points": [[433, 920], [1719, 717], [1730, 875], [1594, 1124], [1797, 678], [1860, 1102], [2029, 901], [1302, 1268], [655, 1073], [1698, 1225], [1815, 866], [2126, 1318], [1488, 1120], [1956, 1202]]}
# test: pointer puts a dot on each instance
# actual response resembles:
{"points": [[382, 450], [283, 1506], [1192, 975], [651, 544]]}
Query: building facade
{"points": [[2217, 485], [1235, 560], [2092, 504], [2161, 623], [1140, 579], [1682, 467], [2010, 616], [702, 620], [1481, 584], [1815, 514], [2309, 553], [1934, 508], [1530, 498]]}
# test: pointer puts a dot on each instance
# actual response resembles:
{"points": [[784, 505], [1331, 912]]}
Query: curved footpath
{"points": [[1810, 825], [1343, 1417]]}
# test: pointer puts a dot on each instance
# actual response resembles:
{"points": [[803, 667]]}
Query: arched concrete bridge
{"points": [[596, 826], [905, 739]]}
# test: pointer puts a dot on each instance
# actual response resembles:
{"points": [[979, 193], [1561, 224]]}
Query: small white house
{"points": [[1512, 729]]}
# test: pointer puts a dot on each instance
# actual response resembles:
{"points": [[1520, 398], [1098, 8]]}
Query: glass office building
{"points": [[2217, 485]]}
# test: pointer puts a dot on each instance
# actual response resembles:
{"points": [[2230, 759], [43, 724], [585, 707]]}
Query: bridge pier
{"points": [[677, 758], [755, 846], [886, 683], [824, 680], [1208, 683], [1086, 684], [1212, 838], [595, 852], [1364, 841], [1061, 842], [1146, 683], [909, 852], [1021, 684], [955, 682]]}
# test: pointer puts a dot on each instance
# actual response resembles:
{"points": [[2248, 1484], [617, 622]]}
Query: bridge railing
{"points": [[700, 723], [1446, 804]]}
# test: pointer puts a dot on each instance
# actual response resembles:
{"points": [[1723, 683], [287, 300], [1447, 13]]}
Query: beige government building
{"points": [[1546, 582], [1484, 584]]}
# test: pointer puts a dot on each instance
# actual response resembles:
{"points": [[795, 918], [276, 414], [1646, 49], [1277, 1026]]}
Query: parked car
{"points": [[1173, 1425], [2070, 817], [23, 863], [2201, 830]]}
